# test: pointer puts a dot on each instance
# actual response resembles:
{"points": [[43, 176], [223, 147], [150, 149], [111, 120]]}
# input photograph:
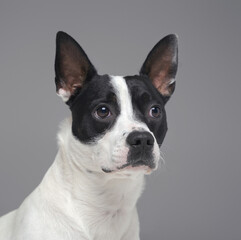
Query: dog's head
{"points": [[119, 121]]}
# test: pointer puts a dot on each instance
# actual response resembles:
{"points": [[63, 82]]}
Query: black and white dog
{"points": [[111, 141]]}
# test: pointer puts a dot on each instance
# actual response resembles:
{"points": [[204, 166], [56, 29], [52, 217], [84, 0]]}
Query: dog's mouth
{"points": [[137, 166]]}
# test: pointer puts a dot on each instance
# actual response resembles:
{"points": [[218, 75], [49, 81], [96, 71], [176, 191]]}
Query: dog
{"points": [[107, 146]]}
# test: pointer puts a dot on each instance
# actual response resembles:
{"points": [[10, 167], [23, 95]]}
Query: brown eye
{"points": [[102, 112], [155, 112]]}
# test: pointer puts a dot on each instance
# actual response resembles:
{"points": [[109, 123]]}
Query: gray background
{"points": [[197, 195]]}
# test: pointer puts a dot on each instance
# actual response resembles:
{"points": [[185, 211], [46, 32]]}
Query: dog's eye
{"points": [[155, 112], [102, 112]]}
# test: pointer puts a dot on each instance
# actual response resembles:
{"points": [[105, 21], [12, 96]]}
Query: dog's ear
{"points": [[72, 67], [161, 65]]}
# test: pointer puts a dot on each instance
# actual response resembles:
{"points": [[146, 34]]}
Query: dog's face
{"points": [[119, 121]]}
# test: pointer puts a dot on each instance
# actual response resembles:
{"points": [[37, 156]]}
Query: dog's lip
{"points": [[140, 164], [128, 166], [106, 170]]}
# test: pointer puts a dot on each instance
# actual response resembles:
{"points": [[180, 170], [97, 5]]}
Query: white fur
{"points": [[64, 94], [76, 200], [172, 80]]}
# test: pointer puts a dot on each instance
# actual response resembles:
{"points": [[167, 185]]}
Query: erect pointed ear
{"points": [[161, 65], [72, 67]]}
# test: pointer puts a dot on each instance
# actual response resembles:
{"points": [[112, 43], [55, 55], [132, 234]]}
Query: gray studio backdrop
{"points": [[197, 194]]}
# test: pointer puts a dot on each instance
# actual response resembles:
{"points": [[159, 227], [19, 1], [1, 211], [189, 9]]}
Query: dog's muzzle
{"points": [[141, 146]]}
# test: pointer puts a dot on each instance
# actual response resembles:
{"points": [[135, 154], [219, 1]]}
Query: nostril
{"points": [[135, 142], [138, 139], [150, 142]]}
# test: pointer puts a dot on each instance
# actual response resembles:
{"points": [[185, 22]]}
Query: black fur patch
{"points": [[144, 96], [97, 92]]}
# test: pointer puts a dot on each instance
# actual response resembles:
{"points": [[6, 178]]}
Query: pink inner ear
{"points": [[68, 87], [161, 84], [73, 67], [73, 82], [160, 79]]}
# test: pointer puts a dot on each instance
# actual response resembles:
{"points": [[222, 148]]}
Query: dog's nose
{"points": [[141, 149], [140, 140]]}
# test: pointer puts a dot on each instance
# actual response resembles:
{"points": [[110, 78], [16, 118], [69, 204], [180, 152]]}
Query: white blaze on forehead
{"points": [[123, 95]]}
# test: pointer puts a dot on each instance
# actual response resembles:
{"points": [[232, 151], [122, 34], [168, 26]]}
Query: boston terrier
{"points": [[109, 143]]}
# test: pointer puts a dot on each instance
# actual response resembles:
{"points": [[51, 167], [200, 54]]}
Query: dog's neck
{"points": [[81, 191]]}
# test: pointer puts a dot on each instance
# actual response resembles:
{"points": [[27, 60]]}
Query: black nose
{"points": [[140, 140], [141, 149]]}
